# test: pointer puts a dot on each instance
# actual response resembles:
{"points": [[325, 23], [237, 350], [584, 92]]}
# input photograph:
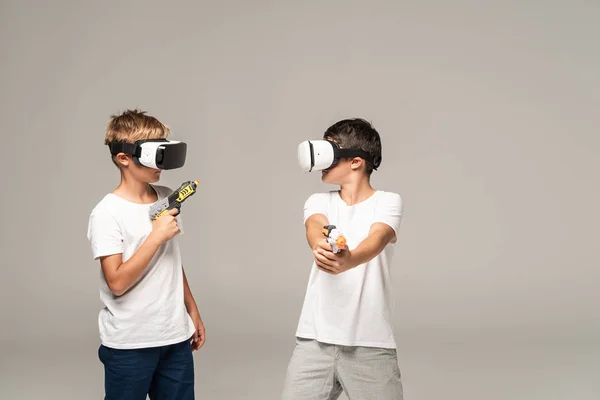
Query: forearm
{"points": [[127, 273], [188, 297], [314, 229], [373, 245]]}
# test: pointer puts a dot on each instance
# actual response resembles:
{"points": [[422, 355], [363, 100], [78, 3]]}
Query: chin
{"points": [[154, 179], [327, 179]]}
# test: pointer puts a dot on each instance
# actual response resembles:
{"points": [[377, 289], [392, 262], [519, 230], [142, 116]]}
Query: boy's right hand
{"points": [[165, 227], [324, 245]]}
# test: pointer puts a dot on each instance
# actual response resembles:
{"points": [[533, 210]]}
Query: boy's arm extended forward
{"points": [[382, 232], [314, 231], [119, 275], [380, 235]]}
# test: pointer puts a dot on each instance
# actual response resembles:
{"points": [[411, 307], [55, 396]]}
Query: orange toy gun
{"points": [[336, 240]]}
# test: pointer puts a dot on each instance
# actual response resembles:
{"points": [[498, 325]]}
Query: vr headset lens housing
{"points": [[315, 155], [159, 153], [318, 155], [163, 155]]}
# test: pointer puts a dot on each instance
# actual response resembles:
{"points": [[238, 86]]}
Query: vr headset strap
{"points": [[351, 153], [123, 147]]}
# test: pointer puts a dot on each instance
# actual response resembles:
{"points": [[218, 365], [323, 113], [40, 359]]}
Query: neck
{"points": [[134, 190], [355, 192]]}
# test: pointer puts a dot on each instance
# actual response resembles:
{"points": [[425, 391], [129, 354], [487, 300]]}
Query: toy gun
{"points": [[336, 240], [174, 200]]}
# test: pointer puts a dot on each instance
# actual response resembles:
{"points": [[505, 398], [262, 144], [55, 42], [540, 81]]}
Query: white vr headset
{"points": [[319, 155], [153, 153]]}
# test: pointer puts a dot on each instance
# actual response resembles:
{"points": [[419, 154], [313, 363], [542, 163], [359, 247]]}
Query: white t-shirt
{"points": [[152, 312], [353, 308]]}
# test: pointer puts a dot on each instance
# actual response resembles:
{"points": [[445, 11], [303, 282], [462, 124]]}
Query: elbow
{"points": [[114, 277], [117, 288]]}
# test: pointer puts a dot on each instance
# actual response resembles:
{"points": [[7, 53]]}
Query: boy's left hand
{"points": [[199, 334], [332, 263]]}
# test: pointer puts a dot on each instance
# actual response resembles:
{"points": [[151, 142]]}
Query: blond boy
{"points": [[150, 323]]}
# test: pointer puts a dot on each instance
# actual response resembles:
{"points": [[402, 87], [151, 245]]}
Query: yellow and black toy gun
{"points": [[174, 200], [336, 240]]}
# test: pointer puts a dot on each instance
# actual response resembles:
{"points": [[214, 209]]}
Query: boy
{"points": [[150, 323], [344, 339]]}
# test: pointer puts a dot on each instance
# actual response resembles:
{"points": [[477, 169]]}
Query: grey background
{"points": [[488, 113]]}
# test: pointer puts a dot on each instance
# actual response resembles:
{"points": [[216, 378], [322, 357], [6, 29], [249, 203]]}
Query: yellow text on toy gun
{"points": [[336, 240], [174, 200]]}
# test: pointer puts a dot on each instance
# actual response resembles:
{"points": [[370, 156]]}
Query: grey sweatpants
{"points": [[321, 371]]}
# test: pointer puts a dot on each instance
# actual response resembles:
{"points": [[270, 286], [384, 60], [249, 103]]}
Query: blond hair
{"points": [[133, 125]]}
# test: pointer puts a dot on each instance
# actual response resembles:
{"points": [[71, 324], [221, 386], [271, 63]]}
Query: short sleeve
{"points": [[389, 211], [104, 234], [317, 203]]}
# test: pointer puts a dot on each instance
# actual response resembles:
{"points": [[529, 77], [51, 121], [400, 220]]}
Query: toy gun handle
{"points": [[176, 205]]}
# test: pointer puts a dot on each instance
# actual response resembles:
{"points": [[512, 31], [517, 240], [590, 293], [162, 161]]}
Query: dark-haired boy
{"points": [[344, 339]]}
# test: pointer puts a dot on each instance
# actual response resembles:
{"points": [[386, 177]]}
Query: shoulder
{"points": [[162, 190], [389, 198], [320, 197], [104, 214], [106, 207]]}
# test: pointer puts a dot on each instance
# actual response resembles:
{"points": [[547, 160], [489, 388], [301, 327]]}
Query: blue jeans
{"points": [[163, 373]]}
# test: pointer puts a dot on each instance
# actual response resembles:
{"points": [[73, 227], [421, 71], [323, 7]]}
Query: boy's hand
{"points": [[329, 262], [323, 244], [199, 334], [165, 227]]}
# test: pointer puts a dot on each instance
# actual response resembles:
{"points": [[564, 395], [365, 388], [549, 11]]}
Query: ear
{"points": [[123, 159], [356, 163]]}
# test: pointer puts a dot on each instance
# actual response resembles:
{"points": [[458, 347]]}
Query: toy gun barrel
{"points": [[174, 200], [336, 240]]}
